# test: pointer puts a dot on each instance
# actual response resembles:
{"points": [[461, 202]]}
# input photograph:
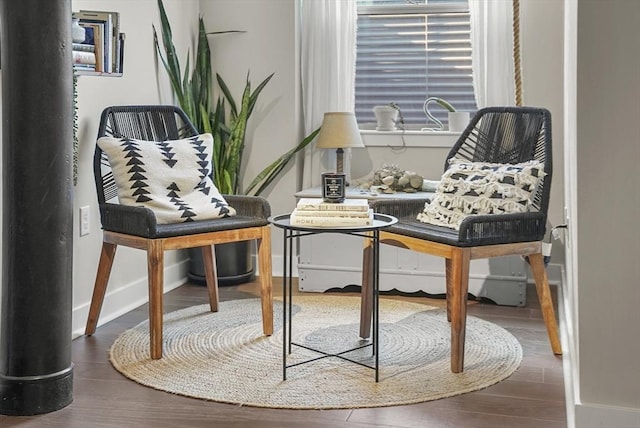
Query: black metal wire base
{"points": [[336, 355], [291, 233]]}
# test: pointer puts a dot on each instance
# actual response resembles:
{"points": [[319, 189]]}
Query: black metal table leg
{"points": [[284, 306], [371, 232]]}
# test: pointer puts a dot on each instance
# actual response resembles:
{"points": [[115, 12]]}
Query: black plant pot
{"points": [[233, 261]]}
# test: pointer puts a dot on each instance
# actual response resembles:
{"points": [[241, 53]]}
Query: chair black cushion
{"points": [[253, 211], [474, 230]]}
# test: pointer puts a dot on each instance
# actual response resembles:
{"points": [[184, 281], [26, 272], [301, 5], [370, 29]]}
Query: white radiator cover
{"points": [[334, 261]]}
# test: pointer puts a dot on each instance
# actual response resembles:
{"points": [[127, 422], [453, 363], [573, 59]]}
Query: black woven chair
{"points": [[136, 226], [496, 135]]}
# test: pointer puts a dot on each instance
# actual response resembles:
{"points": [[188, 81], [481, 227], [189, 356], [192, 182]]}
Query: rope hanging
{"points": [[516, 51]]}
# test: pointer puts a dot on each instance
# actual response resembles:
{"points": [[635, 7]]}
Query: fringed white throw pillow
{"points": [[475, 188], [172, 178]]}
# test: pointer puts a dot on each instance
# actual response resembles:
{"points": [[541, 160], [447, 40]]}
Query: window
{"points": [[409, 50]]}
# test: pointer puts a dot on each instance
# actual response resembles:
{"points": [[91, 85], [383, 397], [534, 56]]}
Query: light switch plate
{"points": [[85, 225]]}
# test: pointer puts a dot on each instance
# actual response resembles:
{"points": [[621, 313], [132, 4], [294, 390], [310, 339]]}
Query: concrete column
{"points": [[36, 373]]}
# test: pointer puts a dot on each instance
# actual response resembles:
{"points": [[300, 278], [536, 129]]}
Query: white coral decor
{"points": [[391, 179]]}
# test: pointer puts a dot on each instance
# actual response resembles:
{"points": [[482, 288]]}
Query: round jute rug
{"points": [[224, 357]]}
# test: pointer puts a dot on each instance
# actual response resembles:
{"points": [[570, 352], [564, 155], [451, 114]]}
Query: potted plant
{"points": [[457, 120], [227, 122], [386, 116]]}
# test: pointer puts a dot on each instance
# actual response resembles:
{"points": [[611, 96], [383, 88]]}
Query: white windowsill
{"points": [[373, 138]]}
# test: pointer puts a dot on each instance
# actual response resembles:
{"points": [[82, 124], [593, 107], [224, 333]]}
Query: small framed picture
{"points": [[333, 186]]}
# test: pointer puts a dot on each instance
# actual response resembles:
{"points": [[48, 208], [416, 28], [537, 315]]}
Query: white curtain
{"points": [[328, 51], [492, 52]]}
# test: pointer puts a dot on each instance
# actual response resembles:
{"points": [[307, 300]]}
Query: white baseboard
{"points": [[276, 267], [127, 297], [554, 274], [599, 416], [567, 339]]}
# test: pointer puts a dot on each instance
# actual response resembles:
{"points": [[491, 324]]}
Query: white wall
{"points": [[606, 239], [267, 47], [541, 45], [541, 37], [139, 85]]}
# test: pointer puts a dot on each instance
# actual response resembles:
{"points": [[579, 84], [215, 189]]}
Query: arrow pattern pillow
{"points": [[172, 178], [472, 188]]}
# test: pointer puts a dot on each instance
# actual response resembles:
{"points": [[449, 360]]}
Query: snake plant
{"points": [[225, 119]]}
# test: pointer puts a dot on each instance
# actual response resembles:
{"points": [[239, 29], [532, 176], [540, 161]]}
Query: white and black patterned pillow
{"points": [[172, 178], [473, 188]]}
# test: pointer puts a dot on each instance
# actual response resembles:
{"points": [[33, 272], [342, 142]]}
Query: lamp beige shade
{"points": [[339, 131]]}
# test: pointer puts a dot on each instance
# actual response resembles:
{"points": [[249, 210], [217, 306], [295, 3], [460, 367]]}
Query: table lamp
{"points": [[339, 131]]}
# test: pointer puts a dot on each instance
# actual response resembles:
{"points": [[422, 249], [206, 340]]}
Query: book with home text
{"points": [[329, 221]]}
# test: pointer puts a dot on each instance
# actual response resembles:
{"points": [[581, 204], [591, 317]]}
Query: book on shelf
{"points": [[108, 20], [94, 35], [334, 213], [110, 41], [318, 204], [329, 221], [121, 39], [82, 57], [101, 37], [84, 47], [84, 67]]}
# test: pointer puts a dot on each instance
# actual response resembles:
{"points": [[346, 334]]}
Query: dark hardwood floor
{"points": [[532, 397]]}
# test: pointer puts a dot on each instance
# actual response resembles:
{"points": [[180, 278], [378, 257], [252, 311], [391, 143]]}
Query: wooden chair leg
{"points": [[546, 302], [155, 267], [211, 275], [459, 288], [107, 255], [366, 292], [266, 280], [448, 275]]}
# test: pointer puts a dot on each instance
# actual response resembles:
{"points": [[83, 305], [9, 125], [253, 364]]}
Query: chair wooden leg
{"points": [[107, 255], [266, 280], [366, 292], [211, 275], [546, 302], [155, 266], [459, 288], [448, 275]]}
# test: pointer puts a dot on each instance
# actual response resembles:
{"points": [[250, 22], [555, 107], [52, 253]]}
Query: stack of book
{"points": [[84, 57], [314, 212], [103, 48]]}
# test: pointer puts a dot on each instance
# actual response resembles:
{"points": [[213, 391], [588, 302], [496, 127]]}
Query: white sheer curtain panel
{"points": [[492, 52], [328, 54]]}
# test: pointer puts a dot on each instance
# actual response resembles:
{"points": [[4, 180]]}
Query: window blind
{"points": [[407, 52]]}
